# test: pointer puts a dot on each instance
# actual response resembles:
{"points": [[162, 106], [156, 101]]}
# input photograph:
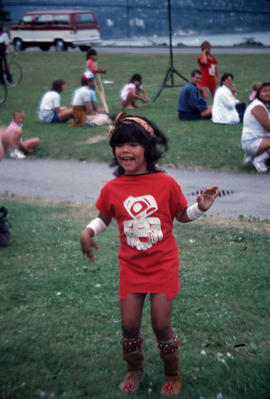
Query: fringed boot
{"points": [[173, 378], [134, 357]]}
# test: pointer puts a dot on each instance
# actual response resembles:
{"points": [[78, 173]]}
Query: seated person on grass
{"points": [[84, 105], [131, 91], [227, 109], [49, 110], [191, 106], [11, 137]]}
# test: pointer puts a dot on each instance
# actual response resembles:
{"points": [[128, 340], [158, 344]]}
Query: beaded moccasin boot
{"points": [[134, 357], [170, 356]]}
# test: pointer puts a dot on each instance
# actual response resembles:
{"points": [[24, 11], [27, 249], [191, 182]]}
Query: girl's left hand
{"points": [[207, 198]]}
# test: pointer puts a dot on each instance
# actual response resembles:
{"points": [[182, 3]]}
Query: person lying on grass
{"points": [[144, 201]]}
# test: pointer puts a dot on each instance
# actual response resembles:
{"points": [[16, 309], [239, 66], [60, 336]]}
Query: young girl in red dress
{"points": [[208, 66], [144, 201]]}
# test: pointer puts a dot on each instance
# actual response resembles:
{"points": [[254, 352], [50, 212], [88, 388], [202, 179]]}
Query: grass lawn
{"points": [[60, 322], [199, 144]]}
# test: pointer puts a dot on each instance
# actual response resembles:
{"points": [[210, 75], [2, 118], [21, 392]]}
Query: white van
{"points": [[62, 28]]}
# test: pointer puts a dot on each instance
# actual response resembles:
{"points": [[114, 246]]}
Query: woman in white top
{"points": [[227, 109], [256, 129], [50, 110]]}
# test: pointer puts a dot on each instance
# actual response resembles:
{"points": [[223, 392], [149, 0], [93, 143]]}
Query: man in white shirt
{"points": [[227, 109]]}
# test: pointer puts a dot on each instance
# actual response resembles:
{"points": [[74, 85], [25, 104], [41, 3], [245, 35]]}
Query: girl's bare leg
{"points": [[161, 309], [131, 341], [265, 145], [131, 314], [130, 101], [168, 344], [30, 144], [65, 114]]}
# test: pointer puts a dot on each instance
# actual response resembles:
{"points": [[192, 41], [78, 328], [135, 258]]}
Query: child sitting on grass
{"points": [[84, 104], [130, 93], [11, 137], [144, 201]]}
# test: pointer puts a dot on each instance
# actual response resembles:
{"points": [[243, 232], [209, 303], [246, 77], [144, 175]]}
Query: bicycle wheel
{"points": [[3, 93], [17, 74]]}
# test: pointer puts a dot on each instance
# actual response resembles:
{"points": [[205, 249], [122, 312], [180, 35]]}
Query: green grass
{"points": [[60, 321], [191, 144]]}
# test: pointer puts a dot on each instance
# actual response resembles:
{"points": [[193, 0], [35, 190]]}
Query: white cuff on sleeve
{"points": [[97, 225], [193, 211]]}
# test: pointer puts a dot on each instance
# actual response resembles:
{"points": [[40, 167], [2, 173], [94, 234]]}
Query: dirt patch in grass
{"points": [[241, 223], [95, 139]]}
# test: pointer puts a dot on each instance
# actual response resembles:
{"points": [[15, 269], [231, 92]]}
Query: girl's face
{"points": [[131, 157], [265, 94], [18, 118], [137, 83]]}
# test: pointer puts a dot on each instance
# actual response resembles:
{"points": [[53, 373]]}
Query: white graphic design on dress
{"points": [[142, 231], [212, 70]]}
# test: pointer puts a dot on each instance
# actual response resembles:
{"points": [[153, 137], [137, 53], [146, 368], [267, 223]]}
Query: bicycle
{"points": [[11, 77], [3, 92], [15, 70]]}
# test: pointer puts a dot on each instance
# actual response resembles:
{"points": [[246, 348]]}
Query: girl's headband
{"points": [[121, 118]]}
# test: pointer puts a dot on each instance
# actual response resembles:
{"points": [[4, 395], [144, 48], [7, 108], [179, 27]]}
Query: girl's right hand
{"points": [[87, 243]]}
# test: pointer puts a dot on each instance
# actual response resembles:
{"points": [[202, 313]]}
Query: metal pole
{"points": [[170, 38], [128, 19]]}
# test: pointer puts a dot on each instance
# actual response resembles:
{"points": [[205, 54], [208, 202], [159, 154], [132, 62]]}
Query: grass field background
{"points": [[60, 315], [199, 144]]}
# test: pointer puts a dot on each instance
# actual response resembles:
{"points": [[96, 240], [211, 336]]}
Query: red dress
{"points": [[208, 72], [144, 207]]}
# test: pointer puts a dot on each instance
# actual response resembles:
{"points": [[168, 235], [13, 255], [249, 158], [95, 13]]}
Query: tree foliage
{"points": [[4, 15]]}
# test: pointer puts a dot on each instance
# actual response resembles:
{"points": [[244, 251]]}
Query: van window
{"points": [[61, 19], [85, 19], [42, 20], [26, 20]]}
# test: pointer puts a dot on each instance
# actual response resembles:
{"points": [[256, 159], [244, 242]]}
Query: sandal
{"points": [[132, 381]]}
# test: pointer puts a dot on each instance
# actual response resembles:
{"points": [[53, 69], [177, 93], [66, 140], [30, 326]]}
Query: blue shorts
{"points": [[189, 116], [55, 118]]}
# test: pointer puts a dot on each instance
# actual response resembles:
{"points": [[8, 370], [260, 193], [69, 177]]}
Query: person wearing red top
{"points": [[91, 62], [208, 66], [144, 201]]}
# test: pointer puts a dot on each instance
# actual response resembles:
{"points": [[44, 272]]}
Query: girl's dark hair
{"points": [[90, 52], [136, 76], [264, 84], [134, 132], [57, 85]]}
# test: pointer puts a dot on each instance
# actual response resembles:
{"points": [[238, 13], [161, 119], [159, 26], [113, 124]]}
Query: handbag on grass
{"points": [[4, 228]]}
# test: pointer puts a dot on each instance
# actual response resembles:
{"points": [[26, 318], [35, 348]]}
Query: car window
{"points": [[61, 19], [85, 19], [26, 20], [42, 20]]}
